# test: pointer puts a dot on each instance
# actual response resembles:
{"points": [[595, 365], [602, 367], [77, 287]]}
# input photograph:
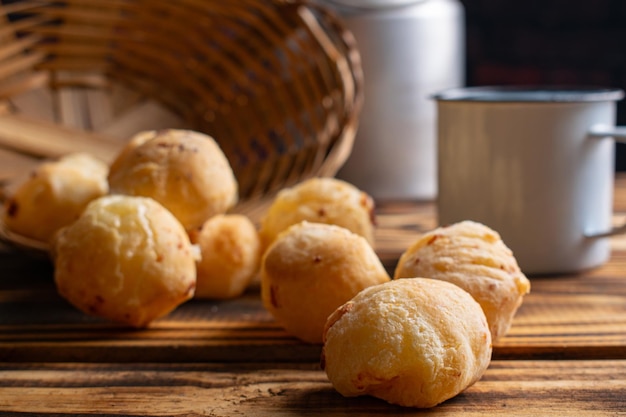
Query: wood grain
{"points": [[564, 356], [511, 388], [582, 316]]}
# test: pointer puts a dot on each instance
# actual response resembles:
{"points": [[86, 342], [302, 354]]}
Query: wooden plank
{"points": [[569, 317], [398, 225], [511, 388], [576, 316]]}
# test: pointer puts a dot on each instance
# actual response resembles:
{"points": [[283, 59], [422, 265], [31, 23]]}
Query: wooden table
{"points": [[564, 356]]}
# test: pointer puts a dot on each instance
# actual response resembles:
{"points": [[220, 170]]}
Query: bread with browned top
{"points": [[126, 259], [310, 270], [320, 200], [184, 170], [474, 257], [414, 342]]}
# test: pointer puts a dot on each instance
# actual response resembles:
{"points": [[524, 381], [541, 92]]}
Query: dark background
{"points": [[529, 42]]}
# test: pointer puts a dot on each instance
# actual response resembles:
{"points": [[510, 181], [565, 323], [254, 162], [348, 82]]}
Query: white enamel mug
{"points": [[535, 164]]}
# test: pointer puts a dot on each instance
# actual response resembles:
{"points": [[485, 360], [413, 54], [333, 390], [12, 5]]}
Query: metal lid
{"points": [[372, 4], [531, 94]]}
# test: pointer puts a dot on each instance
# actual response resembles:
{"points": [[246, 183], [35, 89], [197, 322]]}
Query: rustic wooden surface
{"points": [[508, 388], [581, 316], [564, 356]]}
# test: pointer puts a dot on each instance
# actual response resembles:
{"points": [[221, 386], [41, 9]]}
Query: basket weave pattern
{"points": [[277, 83]]}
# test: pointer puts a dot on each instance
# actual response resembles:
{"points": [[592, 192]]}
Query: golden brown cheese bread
{"points": [[127, 259], [230, 251], [474, 257], [413, 342], [310, 270], [54, 195], [320, 200], [185, 171]]}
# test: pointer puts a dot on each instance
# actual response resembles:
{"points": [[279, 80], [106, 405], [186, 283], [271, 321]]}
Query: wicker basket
{"points": [[277, 83]]}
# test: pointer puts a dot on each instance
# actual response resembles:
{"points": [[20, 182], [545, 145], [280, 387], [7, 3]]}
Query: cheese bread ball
{"points": [[230, 255], [185, 171], [320, 200], [412, 342], [474, 257], [310, 270], [54, 195], [127, 259]]}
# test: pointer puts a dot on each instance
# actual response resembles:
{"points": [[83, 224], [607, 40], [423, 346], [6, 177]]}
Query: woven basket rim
{"points": [[299, 77]]}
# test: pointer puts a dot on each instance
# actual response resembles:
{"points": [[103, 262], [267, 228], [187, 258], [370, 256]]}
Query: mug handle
{"points": [[618, 134]]}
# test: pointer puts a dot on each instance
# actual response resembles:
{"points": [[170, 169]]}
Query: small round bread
{"points": [[474, 257], [412, 342], [54, 195], [127, 259], [310, 270], [320, 200], [184, 170], [230, 255]]}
